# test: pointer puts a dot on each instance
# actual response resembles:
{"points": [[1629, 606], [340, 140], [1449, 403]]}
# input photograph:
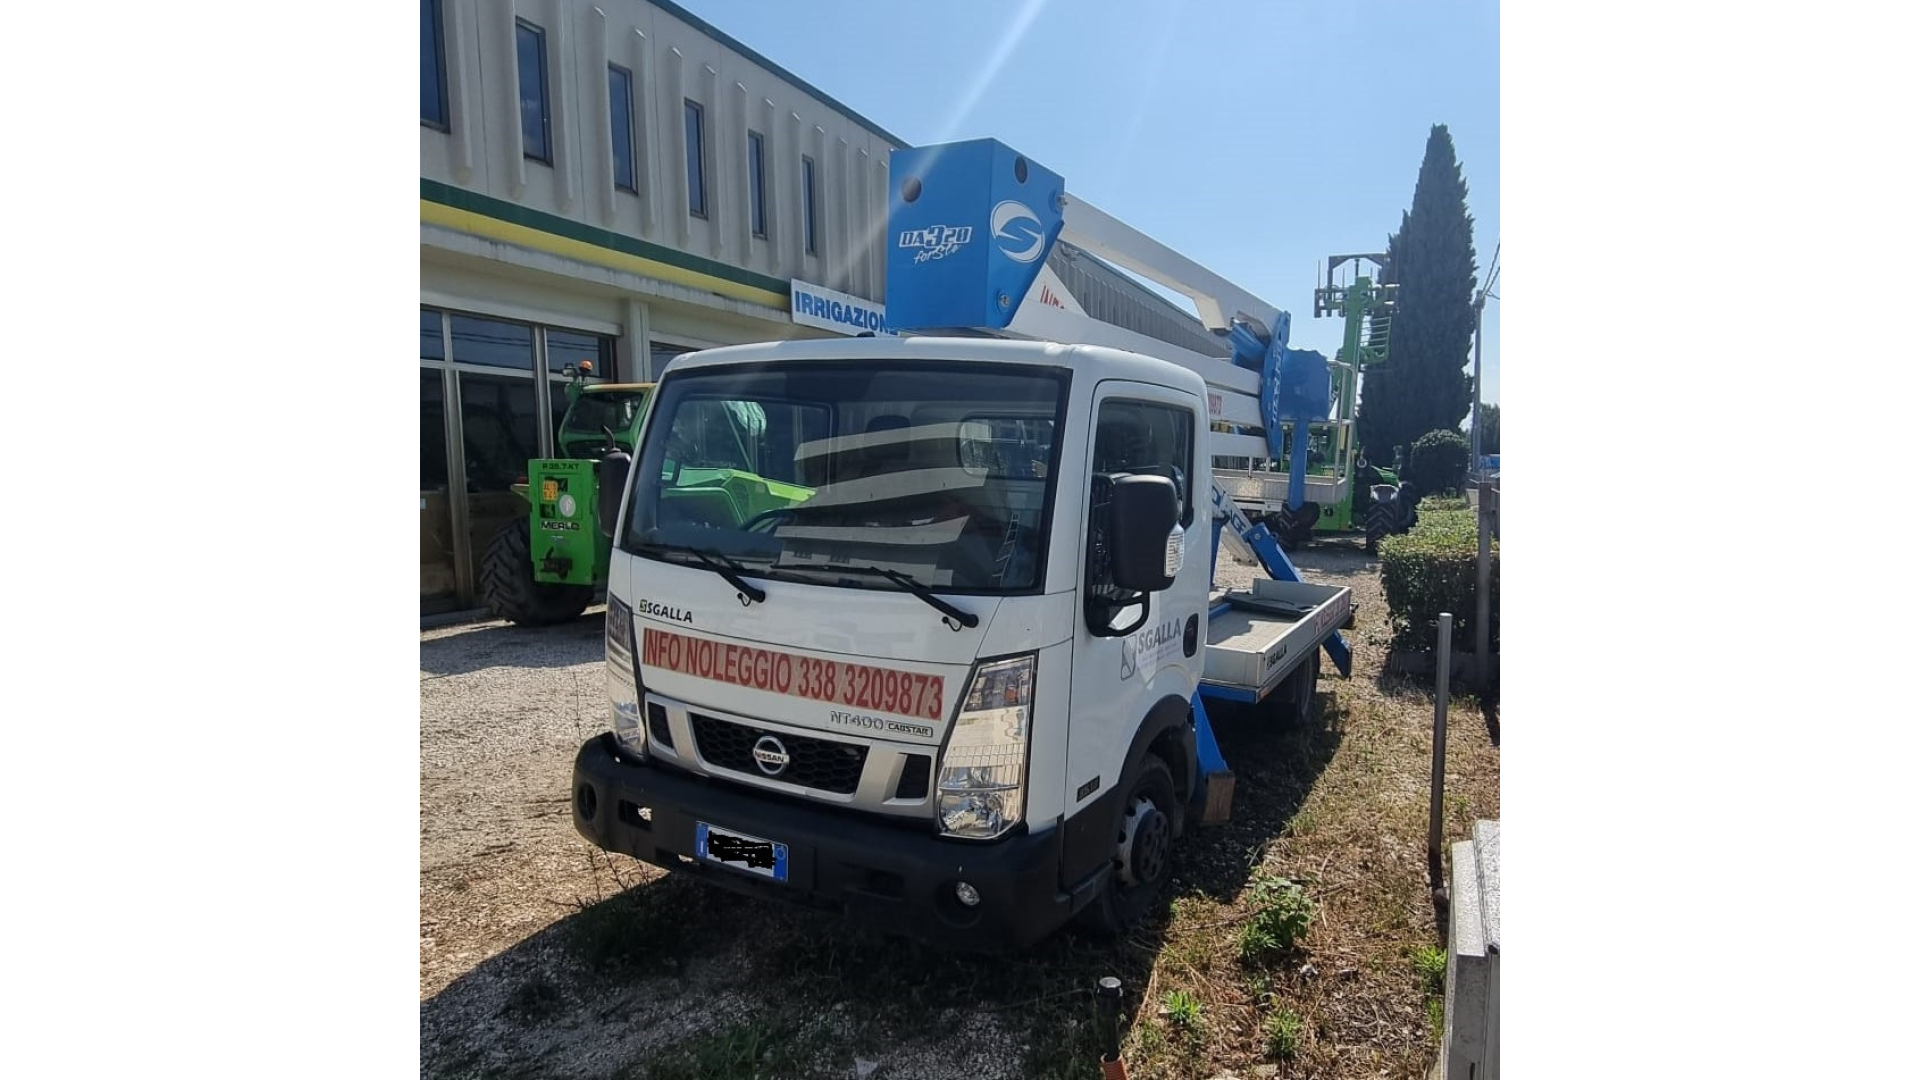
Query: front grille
{"points": [[813, 763]]}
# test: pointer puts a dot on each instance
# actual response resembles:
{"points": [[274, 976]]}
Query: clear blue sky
{"points": [[1255, 137]]}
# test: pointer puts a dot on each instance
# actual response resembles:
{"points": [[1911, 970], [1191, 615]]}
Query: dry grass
{"points": [[1357, 841], [1356, 982]]}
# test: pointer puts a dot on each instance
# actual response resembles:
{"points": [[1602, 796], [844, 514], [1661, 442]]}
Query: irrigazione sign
{"points": [[818, 306]]}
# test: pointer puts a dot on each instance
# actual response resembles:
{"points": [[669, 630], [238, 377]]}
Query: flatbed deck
{"points": [[1259, 636]]}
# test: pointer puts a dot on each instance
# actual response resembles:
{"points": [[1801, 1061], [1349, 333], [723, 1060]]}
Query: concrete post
{"points": [[635, 347], [1470, 1043], [1443, 673]]}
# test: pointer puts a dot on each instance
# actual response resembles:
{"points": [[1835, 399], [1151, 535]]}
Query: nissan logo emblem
{"points": [[770, 755]]}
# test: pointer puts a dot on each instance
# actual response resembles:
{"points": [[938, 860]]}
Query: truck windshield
{"points": [[940, 471]]}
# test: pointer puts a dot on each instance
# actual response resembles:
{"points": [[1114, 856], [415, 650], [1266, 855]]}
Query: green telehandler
{"points": [[544, 568]]}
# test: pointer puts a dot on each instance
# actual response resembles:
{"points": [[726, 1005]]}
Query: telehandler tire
{"points": [[1381, 522], [508, 586]]}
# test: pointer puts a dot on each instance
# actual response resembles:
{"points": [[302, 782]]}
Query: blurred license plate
{"points": [[740, 851]]}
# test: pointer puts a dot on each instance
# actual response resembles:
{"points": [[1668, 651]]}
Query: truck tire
{"points": [[1143, 850], [508, 586]]}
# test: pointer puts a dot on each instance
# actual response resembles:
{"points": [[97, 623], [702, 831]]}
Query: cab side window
{"points": [[1145, 438]]}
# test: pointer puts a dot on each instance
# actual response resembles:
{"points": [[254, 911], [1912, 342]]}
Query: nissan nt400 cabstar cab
{"points": [[908, 629]]}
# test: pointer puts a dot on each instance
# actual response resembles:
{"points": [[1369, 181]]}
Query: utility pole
{"points": [[1482, 578], [1479, 316]]}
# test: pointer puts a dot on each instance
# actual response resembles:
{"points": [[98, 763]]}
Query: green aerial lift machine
{"points": [[1378, 502], [1340, 491]]}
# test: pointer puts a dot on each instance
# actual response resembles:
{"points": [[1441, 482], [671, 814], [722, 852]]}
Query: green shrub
{"points": [[1281, 914], [1437, 465], [1431, 963], [1449, 524], [1256, 941], [1282, 1028], [1435, 503], [1431, 570], [1183, 1009]]}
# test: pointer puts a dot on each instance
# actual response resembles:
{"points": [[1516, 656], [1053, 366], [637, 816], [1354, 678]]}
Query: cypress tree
{"points": [[1425, 385]]}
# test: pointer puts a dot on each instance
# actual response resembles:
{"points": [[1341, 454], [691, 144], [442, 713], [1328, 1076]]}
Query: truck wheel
{"points": [[1143, 850], [509, 588]]}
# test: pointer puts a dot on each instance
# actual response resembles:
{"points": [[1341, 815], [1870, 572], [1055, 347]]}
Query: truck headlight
{"points": [[983, 775], [623, 689]]}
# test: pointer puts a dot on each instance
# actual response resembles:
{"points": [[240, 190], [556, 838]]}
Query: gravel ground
{"points": [[502, 711], [539, 958]]}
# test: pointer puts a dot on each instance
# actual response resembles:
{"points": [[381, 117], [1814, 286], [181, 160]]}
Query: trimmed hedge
{"points": [[1431, 570], [1437, 464]]}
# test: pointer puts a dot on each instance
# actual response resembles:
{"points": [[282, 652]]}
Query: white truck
{"points": [[920, 628]]}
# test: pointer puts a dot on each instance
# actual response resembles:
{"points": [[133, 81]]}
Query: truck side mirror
{"points": [[1143, 512], [610, 483]]}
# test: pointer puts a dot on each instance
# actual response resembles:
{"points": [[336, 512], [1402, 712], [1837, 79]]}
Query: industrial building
{"points": [[619, 181]]}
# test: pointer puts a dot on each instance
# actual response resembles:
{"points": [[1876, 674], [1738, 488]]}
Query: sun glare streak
{"points": [[1008, 44], [1148, 83]]}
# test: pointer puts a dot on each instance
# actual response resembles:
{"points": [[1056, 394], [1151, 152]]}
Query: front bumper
{"points": [[887, 878]]}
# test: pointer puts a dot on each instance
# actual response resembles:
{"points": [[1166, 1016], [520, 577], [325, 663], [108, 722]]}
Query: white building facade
{"points": [[612, 180]]}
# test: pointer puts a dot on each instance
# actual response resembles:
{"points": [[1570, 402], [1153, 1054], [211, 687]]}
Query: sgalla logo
{"points": [[662, 611]]}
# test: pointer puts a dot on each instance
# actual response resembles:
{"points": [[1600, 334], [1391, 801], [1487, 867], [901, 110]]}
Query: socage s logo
{"points": [[1017, 230]]}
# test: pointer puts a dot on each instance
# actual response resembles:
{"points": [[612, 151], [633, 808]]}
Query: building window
{"points": [[620, 97], [566, 347], [492, 342], [433, 66], [807, 201], [534, 123], [661, 353], [757, 181], [696, 160], [433, 345], [571, 347]]}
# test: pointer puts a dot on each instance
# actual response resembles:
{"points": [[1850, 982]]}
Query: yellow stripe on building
{"points": [[466, 221]]}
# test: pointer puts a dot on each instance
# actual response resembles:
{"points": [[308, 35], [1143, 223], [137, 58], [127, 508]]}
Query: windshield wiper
{"points": [[907, 581], [953, 614], [719, 564]]}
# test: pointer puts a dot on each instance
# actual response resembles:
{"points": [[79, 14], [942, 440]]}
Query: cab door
{"points": [[1138, 429]]}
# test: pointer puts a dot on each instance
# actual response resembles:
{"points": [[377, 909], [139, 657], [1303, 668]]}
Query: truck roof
{"points": [[1111, 363]]}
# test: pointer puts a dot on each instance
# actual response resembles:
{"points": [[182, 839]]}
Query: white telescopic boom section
{"points": [[1217, 300]]}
